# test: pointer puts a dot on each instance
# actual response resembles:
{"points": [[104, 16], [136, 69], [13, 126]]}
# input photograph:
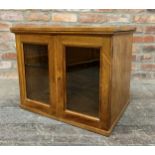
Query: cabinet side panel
{"points": [[121, 68]]}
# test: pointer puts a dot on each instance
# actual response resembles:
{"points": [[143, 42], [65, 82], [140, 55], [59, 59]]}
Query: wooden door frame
{"points": [[41, 40], [104, 43]]}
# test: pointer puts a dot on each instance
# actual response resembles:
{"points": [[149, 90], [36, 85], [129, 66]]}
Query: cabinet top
{"points": [[42, 29]]}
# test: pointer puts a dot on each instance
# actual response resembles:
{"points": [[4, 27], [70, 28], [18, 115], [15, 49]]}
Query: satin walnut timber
{"points": [[78, 75]]}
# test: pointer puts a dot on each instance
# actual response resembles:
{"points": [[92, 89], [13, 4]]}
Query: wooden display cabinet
{"points": [[79, 75]]}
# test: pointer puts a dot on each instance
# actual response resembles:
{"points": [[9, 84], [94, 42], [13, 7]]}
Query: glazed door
{"points": [[83, 74], [35, 61]]}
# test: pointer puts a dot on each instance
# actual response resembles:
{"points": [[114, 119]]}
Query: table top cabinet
{"points": [[78, 75]]}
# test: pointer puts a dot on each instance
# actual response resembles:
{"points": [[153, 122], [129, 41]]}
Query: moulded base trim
{"points": [[77, 124]]}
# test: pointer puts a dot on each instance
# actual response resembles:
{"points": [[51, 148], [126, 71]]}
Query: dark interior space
{"points": [[82, 77], [36, 70], [83, 80]]}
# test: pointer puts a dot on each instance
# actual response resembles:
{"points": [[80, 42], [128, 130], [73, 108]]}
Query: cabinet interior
{"points": [[82, 79], [36, 72]]}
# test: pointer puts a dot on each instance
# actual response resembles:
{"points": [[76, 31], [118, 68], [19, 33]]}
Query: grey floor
{"points": [[20, 127]]}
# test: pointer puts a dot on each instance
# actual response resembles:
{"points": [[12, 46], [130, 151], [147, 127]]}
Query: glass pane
{"points": [[36, 69], [82, 66]]}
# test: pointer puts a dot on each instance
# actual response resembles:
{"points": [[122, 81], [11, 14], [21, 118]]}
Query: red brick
{"points": [[64, 17], [150, 29], [139, 29], [11, 15], [4, 47], [136, 48], [140, 19], [4, 26], [133, 67], [37, 16], [134, 58], [146, 57], [6, 36], [148, 67], [141, 75], [92, 18], [118, 18], [5, 64], [143, 39], [144, 19], [138, 39], [8, 56], [149, 48], [149, 39]]}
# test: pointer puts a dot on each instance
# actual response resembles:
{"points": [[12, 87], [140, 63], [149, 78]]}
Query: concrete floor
{"points": [[20, 127]]}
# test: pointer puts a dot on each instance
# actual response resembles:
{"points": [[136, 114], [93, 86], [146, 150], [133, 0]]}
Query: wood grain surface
{"points": [[79, 75]]}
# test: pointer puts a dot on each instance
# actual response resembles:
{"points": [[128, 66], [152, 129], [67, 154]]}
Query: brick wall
{"points": [[143, 66]]}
